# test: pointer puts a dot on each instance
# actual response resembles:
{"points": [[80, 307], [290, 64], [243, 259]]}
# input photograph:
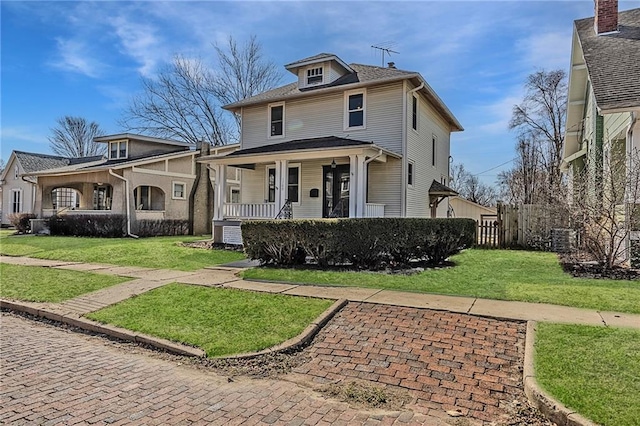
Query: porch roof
{"points": [[301, 149]]}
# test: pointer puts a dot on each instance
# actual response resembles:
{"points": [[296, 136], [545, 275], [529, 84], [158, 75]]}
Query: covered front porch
{"points": [[315, 178]]}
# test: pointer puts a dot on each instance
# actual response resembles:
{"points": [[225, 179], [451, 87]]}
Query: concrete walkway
{"points": [[222, 276]]}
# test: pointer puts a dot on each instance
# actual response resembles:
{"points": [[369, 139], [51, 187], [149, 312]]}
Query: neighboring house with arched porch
{"points": [[142, 177], [19, 188]]}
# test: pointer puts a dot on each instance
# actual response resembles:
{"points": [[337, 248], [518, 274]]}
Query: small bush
{"points": [[163, 227], [106, 225], [22, 221], [364, 243]]}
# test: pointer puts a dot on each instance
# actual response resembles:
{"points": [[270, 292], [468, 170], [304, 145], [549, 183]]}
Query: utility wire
{"points": [[493, 168]]}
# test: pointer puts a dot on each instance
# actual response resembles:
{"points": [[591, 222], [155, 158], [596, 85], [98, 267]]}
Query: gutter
{"points": [[128, 198]]}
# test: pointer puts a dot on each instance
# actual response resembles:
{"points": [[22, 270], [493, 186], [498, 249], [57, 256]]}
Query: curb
{"points": [[96, 327], [548, 406], [176, 348], [300, 340]]}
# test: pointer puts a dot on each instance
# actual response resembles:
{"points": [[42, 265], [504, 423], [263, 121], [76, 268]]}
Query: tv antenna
{"points": [[384, 50]]}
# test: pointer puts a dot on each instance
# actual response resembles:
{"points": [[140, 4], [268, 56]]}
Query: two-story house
{"points": [[343, 140], [603, 106], [141, 177]]}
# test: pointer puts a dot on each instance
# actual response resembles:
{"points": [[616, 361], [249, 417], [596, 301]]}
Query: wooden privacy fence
{"points": [[525, 225]]}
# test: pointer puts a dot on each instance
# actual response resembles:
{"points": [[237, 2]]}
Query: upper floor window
{"points": [[276, 120], [314, 76], [117, 150], [434, 141], [16, 201], [355, 110], [414, 113]]}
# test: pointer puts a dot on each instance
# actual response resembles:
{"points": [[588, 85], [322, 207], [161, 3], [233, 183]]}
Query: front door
{"points": [[335, 198]]}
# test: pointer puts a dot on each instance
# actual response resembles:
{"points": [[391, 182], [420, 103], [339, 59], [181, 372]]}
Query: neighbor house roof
{"points": [[119, 136], [613, 61], [34, 162], [363, 75]]}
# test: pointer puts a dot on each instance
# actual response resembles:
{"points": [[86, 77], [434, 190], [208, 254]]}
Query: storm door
{"points": [[335, 198]]}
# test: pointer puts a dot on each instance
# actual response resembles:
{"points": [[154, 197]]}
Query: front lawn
{"points": [[593, 370], [38, 284], [491, 274], [158, 252], [220, 321]]}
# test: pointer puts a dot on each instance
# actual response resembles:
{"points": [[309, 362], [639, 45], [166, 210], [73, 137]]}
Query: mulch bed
{"points": [[581, 266]]}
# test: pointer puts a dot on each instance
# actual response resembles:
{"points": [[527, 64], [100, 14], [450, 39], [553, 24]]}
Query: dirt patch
{"points": [[581, 265], [210, 245], [367, 395]]}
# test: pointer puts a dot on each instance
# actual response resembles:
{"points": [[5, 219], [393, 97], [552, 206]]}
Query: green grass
{"points": [[593, 370], [220, 321], [38, 284], [158, 252], [492, 274]]}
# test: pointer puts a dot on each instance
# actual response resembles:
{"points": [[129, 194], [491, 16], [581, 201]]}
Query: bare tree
{"points": [[73, 137], [539, 120], [470, 187], [607, 217], [184, 101]]}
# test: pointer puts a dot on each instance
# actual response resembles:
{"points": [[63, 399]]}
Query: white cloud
{"points": [[140, 42], [73, 55], [23, 134], [546, 50]]}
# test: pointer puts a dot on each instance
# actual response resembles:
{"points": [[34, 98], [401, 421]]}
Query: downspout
{"points": [[128, 198], [405, 149]]}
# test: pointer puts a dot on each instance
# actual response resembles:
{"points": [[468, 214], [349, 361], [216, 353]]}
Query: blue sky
{"points": [[87, 58]]}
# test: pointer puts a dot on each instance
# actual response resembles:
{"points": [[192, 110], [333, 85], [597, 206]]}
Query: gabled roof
{"points": [[439, 189], [321, 57], [363, 76], [613, 61]]}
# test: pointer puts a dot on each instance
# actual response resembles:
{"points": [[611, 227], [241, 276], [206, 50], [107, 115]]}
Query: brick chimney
{"points": [[606, 16]]}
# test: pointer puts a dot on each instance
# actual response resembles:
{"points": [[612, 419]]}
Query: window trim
{"points": [[173, 190], [415, 114], [269, 108], [411, 173], [289, 166], [118, 156], [347, 95]]}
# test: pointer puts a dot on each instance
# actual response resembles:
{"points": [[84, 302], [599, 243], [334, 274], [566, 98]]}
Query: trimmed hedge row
{"points": [[370, 243], [161, 227], [106, 225]]}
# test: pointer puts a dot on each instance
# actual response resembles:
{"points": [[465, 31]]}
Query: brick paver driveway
{"points": [[443, 361]]}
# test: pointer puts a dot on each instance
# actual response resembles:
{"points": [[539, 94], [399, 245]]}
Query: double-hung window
{"points": [[414, 113], [16, 201], [293, 184], [355, 110], [276, 120], [117, 150], [179, 191], [410, 173]]}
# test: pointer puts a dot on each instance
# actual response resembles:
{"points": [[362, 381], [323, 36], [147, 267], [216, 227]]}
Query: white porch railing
{"points": [[68, 211], [250, 211], [374, 210]]}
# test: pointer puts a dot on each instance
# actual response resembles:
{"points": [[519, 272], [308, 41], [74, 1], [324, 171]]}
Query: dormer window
{"points": [[314, 76], [117, 150]]}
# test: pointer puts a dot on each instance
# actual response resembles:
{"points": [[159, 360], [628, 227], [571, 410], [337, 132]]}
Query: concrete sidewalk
{"points": [[227, 277]]}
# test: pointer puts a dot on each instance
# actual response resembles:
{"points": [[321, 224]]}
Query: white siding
{"points": [[385, 180], [419, 151], [319, 116], [11, 184]]}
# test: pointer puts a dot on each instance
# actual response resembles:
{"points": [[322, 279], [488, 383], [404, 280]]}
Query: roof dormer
{"points": [[318, 70]]}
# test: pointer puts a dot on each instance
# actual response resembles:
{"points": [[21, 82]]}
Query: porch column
{"points": [[220, 191], [282, 183], [362, 185], [353, 185]]}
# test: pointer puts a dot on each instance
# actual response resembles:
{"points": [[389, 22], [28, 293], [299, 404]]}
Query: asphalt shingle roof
{"points": [[301, 144], [34, 162], [613, 61]]}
